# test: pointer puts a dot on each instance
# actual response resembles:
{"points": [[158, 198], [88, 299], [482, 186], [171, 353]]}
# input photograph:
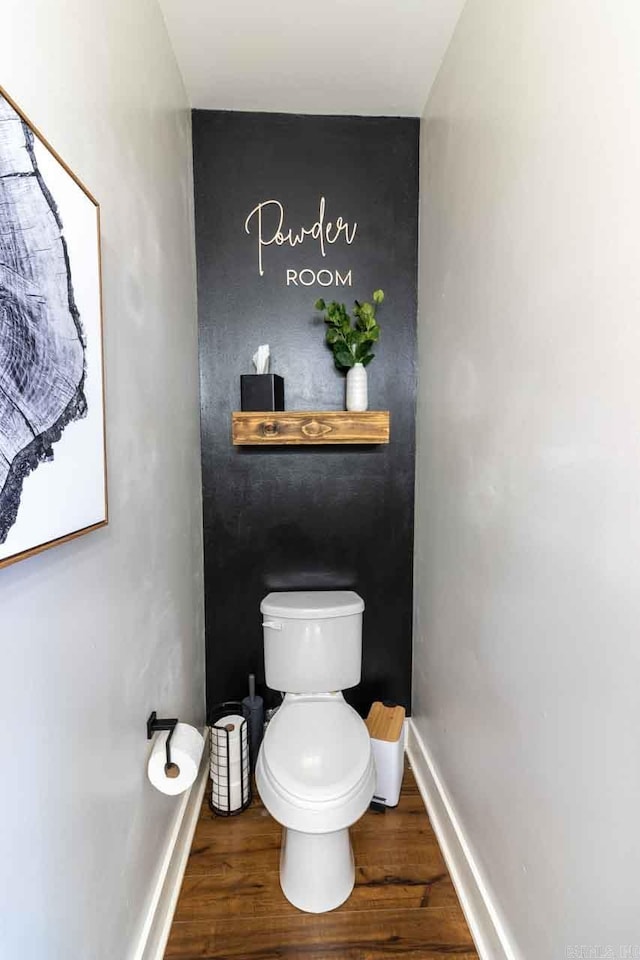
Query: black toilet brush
{"points": [[255, 706]]}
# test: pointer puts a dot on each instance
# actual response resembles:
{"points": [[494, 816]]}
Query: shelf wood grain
{"points": [[309, 427]]}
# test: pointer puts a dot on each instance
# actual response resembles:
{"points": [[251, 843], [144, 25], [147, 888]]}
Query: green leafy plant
{"points": [[351, 337]]}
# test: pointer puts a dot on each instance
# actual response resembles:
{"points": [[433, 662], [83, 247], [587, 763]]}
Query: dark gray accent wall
{"points": [[287, 518]]}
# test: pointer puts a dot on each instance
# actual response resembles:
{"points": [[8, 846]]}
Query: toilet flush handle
{"points": [[272, 624]]}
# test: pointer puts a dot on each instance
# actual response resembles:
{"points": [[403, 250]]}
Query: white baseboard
{"points": [[157, 926], [484, 921]]}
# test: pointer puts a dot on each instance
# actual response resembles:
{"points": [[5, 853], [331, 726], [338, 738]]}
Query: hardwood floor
{"points": [[404, 904]]}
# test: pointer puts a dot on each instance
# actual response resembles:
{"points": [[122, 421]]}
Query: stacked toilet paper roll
{"points": [[229, 762], [186, 747]]}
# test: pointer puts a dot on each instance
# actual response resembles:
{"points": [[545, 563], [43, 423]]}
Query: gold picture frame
{"points": [[52, 390]]}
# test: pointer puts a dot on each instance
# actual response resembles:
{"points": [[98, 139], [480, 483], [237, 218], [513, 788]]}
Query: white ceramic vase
{"points": [[357, 398]]}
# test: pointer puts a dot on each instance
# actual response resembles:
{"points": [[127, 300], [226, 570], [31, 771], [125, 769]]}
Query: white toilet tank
{"points": [[312, 640]]}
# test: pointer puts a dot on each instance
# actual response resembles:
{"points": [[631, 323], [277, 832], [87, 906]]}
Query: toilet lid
{"points": [[317, 749], [312, 604]]}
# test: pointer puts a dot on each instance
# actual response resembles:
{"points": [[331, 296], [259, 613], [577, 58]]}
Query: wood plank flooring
{"points": [[404, 904]]}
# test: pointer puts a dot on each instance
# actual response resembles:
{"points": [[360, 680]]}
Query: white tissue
{"points": [[226, 751], [228, 772], [186, 750], [261, 358]]}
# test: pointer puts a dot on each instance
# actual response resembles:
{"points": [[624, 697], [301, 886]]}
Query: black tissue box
{"points": [[261, 391]]}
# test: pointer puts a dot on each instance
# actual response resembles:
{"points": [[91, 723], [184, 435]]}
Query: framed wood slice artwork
{"points": [[52, 425]]}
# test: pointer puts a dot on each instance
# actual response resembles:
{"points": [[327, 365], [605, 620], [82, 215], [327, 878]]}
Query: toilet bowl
{"points": [[315, 771]]}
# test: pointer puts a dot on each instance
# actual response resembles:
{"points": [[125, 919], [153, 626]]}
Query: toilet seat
{"points": [[315, 770], [317, 747]]}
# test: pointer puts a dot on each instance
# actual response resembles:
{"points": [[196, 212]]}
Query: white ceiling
{"points": [[367, 57]]}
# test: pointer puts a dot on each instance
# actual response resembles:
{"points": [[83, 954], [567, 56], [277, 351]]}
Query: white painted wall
{"points": [[97, 633], [527, 647]]}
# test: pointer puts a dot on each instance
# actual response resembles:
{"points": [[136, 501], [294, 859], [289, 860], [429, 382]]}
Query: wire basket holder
{"points": [[230, 759]]}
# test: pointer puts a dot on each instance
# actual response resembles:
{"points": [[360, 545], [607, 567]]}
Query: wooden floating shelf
{"points": [[309, 427]]}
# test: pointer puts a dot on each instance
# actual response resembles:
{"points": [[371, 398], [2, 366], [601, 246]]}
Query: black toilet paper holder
{"points": [[154, 725]]}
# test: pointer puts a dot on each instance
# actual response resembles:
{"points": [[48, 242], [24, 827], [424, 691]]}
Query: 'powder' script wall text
{"points": [[268, 218]]}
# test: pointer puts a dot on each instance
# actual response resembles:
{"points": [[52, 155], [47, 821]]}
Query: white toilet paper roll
{"points": [[224, 800], [186, 752], [226, 744], [232, 724], [226, 762], [220, 770]]}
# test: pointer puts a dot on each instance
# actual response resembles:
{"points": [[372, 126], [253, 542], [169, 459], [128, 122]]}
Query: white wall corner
{"points": [[487, 929], [162, 906]]}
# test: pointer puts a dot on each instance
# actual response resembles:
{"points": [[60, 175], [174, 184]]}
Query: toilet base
{"points": [[317, 872]]}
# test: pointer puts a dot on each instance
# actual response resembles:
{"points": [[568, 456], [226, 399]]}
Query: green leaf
{"points": [[378, 296], [343, 356], [367, 360], [320, 304], [373, 333], [366, 317]]}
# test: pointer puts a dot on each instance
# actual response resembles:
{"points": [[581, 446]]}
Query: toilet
{"points": [[315, 772]]}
